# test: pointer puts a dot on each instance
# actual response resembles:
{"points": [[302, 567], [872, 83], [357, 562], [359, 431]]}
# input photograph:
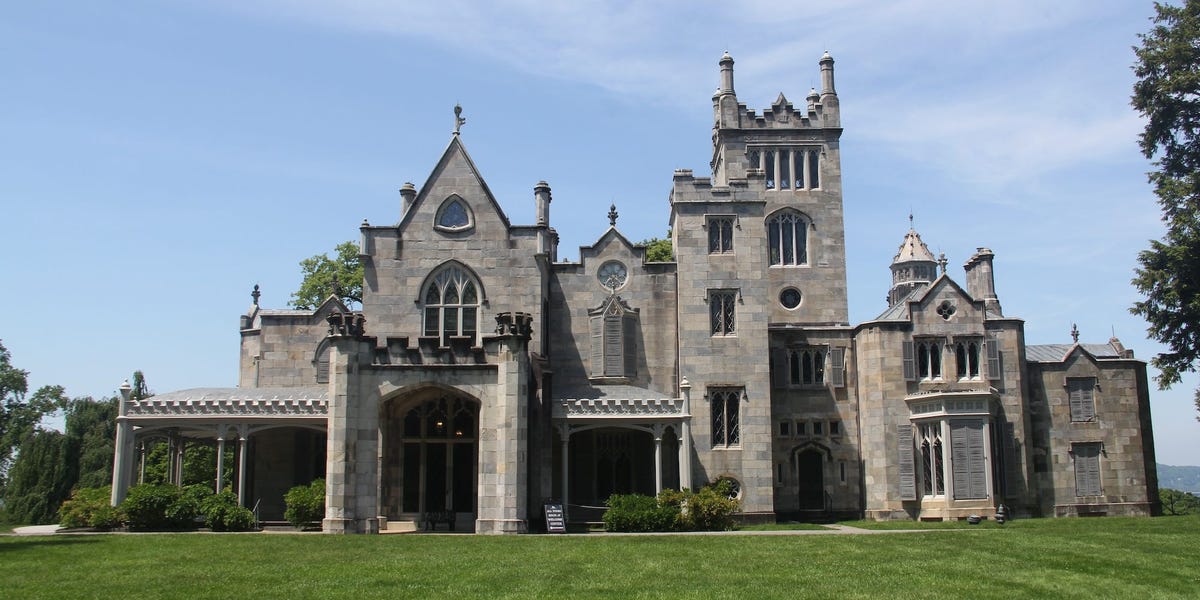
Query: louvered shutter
{"points": [[837, 367], [630, 347], [908, 473], [967, 453], [779, 367], [993, 359], [614, 354], [597, 329], [1083, 405], [1087, 469], [910, 361]]}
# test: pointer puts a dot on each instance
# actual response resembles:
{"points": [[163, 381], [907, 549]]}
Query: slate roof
{"points": [[1059, 352], [617, 392]]}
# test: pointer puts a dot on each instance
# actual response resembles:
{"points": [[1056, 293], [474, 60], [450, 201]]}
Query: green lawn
{"points": [[1066, 558]]}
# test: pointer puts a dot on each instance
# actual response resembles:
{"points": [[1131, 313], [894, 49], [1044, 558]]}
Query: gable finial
{"points": [[1074, 333], [612, 215], [255, 294], [459, 121], [941, 260]]}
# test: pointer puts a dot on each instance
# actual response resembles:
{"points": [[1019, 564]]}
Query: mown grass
{"points": [[1067, 558]]}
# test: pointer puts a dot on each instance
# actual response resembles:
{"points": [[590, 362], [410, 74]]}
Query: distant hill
{"points": [[1185, 479]]}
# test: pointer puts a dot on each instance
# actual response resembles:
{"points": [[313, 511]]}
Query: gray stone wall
{"points": [[400, 258], [1128, 485], [279, 351], [574, 289]]}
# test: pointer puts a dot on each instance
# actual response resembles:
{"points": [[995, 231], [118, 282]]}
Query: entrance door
{"points": [[812, 480], [432, 458]]}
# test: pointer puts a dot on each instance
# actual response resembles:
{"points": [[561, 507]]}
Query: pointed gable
{"points": [[454, 191]]}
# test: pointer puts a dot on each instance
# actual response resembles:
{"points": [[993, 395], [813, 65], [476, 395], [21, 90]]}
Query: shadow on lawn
{"points": [[17, 544]]}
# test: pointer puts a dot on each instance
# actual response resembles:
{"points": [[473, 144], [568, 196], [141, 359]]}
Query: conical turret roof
{"points": [[912, 249]]}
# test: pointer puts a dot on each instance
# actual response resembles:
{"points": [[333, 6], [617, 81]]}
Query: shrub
{"points": [[711, 508], [151, 506], [89, 507], [635, 512], [305, 504], [145, 506], [222, 513]]}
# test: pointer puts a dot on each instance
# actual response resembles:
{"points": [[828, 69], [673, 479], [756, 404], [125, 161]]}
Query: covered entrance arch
{"points": [[430, 457]]}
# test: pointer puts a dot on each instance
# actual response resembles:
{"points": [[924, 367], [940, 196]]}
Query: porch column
{"points": [[220, 458], [658, 433], [181, 452], [564, 432], [685, 436], [123, 450], [241, 469], [142, 463]]}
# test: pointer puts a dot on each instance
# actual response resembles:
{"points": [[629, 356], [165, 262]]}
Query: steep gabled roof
{"points": [[455, 146]]}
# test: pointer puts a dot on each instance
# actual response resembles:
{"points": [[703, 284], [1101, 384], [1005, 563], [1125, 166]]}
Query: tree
{"points": [[1175, 502], [19, 418], [658, 249], [91, 428], [1167, 93], [41, 478], [321, 273]]}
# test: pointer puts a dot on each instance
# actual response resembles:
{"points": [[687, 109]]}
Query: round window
{"points": [[790, 298], [612, 274]]}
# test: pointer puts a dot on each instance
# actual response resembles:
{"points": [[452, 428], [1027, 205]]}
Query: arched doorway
{"points": [[431, 456], [811, 480]]}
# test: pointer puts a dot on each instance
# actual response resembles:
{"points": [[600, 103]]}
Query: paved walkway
{"points": [[826, 530], [35, 530]]}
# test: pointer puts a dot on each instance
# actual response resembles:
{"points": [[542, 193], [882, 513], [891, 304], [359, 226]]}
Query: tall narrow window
{"points": [[787, 234], [451, 306], [933, 471], [966, 360], [785, 169], [614, 339], [769, 159], [722, 305], [1082, 399], [720, 235], [814, 169], [725, 408], [1087, 468], [798, 168], [929, 360]]}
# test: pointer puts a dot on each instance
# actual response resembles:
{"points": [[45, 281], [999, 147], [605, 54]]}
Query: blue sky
{"points": [[157, 159]]}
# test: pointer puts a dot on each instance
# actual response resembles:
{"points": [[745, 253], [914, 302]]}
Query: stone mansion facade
{"points": [[484, 376]]}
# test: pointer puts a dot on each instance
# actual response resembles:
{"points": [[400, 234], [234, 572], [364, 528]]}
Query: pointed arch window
{"points": [[787, 236], [454, 215], [451, 302]]}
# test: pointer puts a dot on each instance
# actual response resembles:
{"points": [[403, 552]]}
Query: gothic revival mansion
{"points": [[486, 376]]}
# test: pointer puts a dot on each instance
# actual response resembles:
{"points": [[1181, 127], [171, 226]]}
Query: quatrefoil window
{"points": [[946, 309]]}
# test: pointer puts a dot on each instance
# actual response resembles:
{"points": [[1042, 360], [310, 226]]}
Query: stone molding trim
{"points": [[248, 402], [619, 407]]}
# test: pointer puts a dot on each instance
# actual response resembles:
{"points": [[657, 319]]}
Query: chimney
{"points": [[981, 283]]}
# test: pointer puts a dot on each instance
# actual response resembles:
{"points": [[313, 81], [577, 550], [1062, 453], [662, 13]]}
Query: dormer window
{"points": [[454, 215]]}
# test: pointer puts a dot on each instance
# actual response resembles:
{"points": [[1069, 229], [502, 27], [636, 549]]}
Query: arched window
{"points": [[454, 214], [451, 300], [787, 234]]}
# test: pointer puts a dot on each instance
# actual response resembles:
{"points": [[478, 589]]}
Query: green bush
{"points": [[710, 509], [152, 506], [89, 507], [145, 506], [635, 512], [305, 504], [222, 513]]}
